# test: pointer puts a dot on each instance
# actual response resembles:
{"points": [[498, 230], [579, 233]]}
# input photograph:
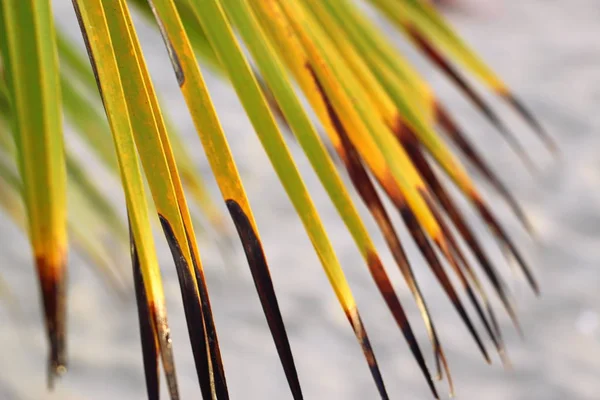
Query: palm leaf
{"points": [[89, 224], [80, 99], [31, 66], [153, 320], [430, 32], [381, 117]]}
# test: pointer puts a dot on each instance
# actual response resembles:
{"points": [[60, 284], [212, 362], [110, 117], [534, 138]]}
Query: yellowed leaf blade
{"points": [[93, 24], [31, 67], [219, 156]]}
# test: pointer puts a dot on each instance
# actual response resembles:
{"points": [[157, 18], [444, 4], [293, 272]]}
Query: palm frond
{"points": [[32, 76], [378, 115]]}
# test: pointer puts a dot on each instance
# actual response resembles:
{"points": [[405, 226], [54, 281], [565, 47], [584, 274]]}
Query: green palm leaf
{"points": [[31, 66], [379, 115]]}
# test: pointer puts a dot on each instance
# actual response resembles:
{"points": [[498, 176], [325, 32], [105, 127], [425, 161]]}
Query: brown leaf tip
{"points": [[52, 278], [266, 292], [361, 334]]}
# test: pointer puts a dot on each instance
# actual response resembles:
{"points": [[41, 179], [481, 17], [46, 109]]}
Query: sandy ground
{"points": [[549, 52]]}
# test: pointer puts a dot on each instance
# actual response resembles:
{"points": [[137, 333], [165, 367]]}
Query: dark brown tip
{"points": [[435, 265], [532, 121], [361, 335], [517, 147], [443, 198], [214, 351], [52, 280], [460, 140], [459, 80], [149, 343], [367, 192], [193, 312], [389, 295], [500, 346], [504, 239], [459, 307], [456, 262], [155, 335], [266, 292], [364, 186], [492, 333], [453, 254]]}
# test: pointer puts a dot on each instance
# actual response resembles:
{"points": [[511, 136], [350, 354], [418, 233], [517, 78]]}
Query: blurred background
{"points": [[549, 53]]}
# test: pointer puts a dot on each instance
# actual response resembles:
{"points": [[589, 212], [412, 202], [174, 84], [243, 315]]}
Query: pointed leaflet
{"points": [[221, 37], [389, 115], [158, 160], [192, 180], [150, 346], [299, 122], [292, 52], [419, 15], [217, 377], [402, 179], [464, 55], [455, 134], [402, 183], [219, 156], [436, 57], [460, 265], [376, 50], [290, 49], [96, 34], [86, 227], [394, 105], [332, 74], [82, 112], [383, 106], [368, 192], [397, 197], [75, 171], [397, 77], [31, 67], [387, 63], [367, 146], [459, 222]]}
